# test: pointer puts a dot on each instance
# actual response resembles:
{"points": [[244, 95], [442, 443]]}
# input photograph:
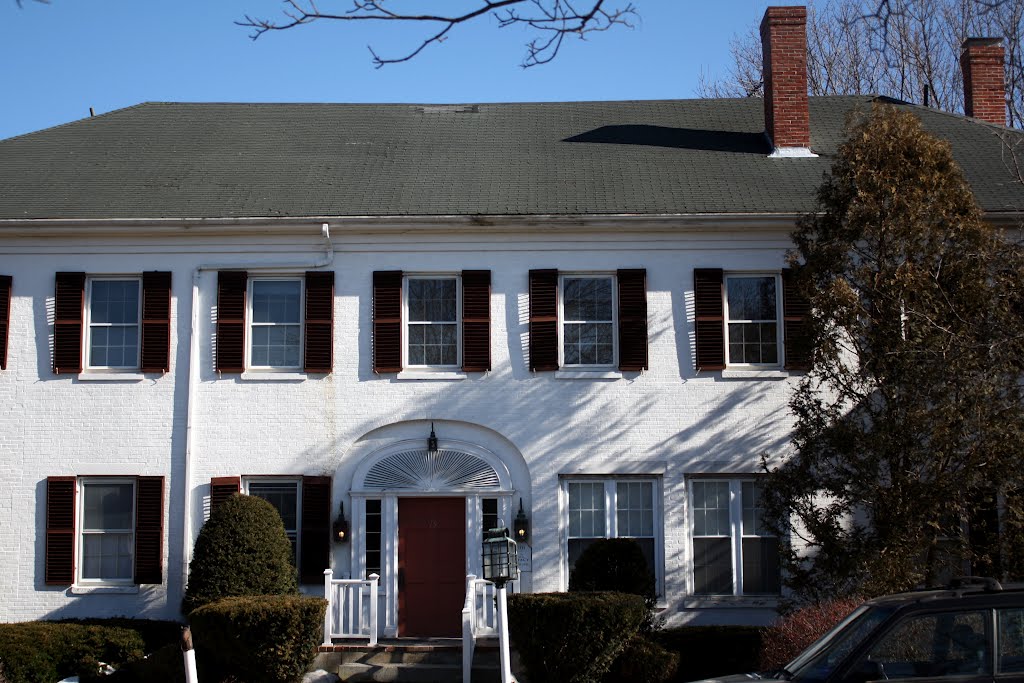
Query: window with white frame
{"points": [[613, 508], [275, 323], [734, 553], [107, 531], [285, 496], [113, 313], [432, 319], [752, 311], [588, 321]]}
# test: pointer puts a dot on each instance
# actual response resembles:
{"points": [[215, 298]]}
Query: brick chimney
{"points": [[784, 48], [984, 81]]}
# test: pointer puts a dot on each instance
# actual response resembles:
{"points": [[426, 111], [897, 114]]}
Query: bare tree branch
{"points": [[553, 19]]}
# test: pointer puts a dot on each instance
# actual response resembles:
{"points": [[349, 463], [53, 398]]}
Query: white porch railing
{"points": [[479, 618], [351, 607]]}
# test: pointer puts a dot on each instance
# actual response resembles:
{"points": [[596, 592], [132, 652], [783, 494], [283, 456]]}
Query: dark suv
{"points": [[972, 631]]}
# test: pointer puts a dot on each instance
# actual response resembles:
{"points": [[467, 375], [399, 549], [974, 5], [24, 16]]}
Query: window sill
{"points": [[431, 375], [731, 602], [101, 376], [588, 374], [272, 376], [753, 373], [104, 590]]}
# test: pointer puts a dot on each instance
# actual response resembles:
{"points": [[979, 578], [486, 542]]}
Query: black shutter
{"points": [[156, 322], [60, 531], [710, 318], [795, 309], [387, 321], [476, 320], [315, 532], [68, 308], [544, 319], [5, 318], [231, 286], [149, 530], [319, 321], [222, 488], [632, 319]]}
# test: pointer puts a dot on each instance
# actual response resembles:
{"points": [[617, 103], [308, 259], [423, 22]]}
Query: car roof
{"points": [[983, 593]]}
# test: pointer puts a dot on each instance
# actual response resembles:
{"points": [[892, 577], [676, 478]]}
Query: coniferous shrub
{"points": [[792, 634], [43, 652], [643, 661], [613, 564], [241, 550], [572, 637], [257, 639]]}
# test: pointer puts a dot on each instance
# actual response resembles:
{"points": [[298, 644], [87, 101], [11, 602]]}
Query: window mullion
{"points": [[736, 531]]}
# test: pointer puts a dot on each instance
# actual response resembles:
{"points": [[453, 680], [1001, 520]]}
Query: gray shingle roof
{"points": [[167, 160]]}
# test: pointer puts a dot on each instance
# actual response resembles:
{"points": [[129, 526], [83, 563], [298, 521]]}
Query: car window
{"points": [[818, 661], [944, 644], [1011, 641]]}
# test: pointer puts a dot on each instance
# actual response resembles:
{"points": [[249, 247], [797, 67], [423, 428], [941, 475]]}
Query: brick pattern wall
{"points": [[784, 46], [984, 81]]}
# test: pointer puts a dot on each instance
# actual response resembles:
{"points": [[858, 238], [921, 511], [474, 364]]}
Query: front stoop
{"points": [[408, 660]]}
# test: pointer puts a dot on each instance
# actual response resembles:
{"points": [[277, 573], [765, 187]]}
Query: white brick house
{"points": [[584, 301]]}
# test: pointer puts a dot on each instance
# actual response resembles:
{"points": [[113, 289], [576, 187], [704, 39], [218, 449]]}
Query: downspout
{"points": [[193, 374]]}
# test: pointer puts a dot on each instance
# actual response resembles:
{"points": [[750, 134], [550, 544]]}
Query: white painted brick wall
{"points": [[668, 417]]}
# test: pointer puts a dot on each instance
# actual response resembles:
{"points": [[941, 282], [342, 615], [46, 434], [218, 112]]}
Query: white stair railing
{"points": [[351, 607], [479, 618]]}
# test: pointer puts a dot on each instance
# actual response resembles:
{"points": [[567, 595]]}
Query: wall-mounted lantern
{"points": [[501, 559], [432, 441], [521, 525], [341, 526]]}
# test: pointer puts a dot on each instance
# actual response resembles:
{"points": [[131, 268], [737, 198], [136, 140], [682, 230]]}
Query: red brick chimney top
{"points": [[784, 47], [981, 60]]}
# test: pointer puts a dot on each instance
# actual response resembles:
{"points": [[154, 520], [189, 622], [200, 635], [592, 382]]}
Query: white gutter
{"points": [[194, 372]]}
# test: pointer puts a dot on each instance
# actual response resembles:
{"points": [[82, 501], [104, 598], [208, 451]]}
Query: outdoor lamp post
{"points": [[501, 565]]}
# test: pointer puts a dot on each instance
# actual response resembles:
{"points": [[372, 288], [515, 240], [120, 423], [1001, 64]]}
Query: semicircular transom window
{"points": [[425, 471]]}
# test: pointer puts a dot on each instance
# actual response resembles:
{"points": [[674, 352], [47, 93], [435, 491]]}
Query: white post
{"points": [[503, 653], [190, 656], [374, 578], [329, 597]]}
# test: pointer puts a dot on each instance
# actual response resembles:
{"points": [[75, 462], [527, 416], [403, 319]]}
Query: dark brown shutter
{"points": [[544, 319], [156, 322], [476, 320], [632, 319], [315, 532], [68, 303], [5, 318], [795, 309], [60, 531], [319, 321], [222, 488], [387, 321], [231, 286], [710, 317], [149, 530]]}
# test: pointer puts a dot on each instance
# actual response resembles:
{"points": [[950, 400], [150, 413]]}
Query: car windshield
{"points": [[819, 660]]}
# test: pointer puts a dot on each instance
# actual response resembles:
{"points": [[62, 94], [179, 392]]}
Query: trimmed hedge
{"points": [[572, 637], [643, 661], [43, 652], [241, 550], [709, 651], [265, 638], [613, 564]]}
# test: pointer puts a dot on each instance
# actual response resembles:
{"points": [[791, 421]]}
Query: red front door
{"points": [[431, 566]]}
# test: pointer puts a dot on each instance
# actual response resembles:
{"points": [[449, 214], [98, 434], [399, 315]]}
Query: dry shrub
{"points": [[789, 636]]}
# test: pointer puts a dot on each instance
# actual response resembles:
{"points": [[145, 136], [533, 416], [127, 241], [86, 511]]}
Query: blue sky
{"points": [[60, 59]]}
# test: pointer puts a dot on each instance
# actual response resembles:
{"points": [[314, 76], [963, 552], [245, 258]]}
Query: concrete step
{"points": [[436, 660]]}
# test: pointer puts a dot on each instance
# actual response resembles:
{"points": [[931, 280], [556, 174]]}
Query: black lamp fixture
{"points": [[500, 557], [432, 440], [341, 526], [521, 525]]}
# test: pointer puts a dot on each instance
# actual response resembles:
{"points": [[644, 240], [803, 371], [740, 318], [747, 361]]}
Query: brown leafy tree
{"points": [[909, 431]]}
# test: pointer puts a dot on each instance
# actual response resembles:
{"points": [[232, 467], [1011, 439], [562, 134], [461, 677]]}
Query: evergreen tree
{"points": [[909, 427]]}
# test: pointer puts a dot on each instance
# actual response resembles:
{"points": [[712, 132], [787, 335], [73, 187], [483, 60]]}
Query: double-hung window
{"points": [[432, 321], [286, 497], [275, 323], [108, 530], [733, 551], [113, 313], [753, 311], [588, 321], [613, 508]]}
